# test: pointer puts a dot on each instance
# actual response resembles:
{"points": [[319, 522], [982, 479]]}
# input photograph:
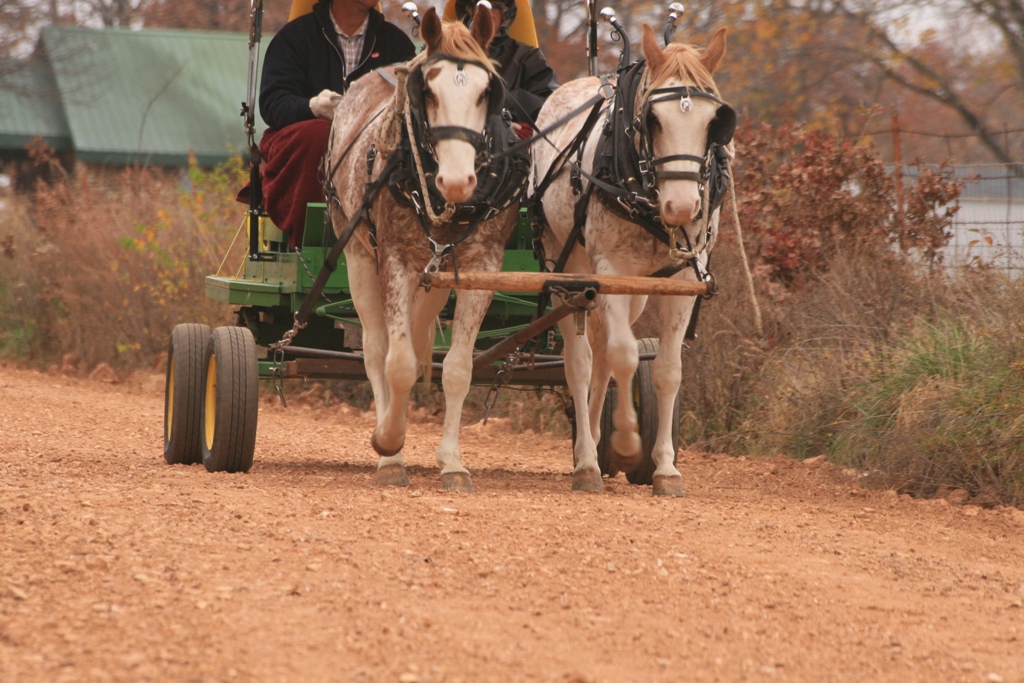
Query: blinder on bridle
{"points": [[720, 133], [415, 87]]}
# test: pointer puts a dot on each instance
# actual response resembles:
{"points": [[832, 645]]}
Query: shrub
{"points": [[111, 260], [805, 196]]}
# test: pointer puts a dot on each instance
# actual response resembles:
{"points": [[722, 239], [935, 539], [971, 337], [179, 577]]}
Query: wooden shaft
{"points": [[541, 282], [509, 344]]}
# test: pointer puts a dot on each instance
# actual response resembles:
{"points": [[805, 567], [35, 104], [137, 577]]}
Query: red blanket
{"points": [[291, 173]]}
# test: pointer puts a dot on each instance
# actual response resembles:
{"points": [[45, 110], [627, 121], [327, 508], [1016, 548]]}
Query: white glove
{"points": [[323, 104]]}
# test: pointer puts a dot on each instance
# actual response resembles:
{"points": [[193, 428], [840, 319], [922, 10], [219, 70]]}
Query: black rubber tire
{"points": [[645, 399], [604, 446], [231, 400], [604, 449], [183, 394]]}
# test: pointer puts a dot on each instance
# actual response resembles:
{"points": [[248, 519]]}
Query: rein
{"points": [[370, 191], [605, 92]]}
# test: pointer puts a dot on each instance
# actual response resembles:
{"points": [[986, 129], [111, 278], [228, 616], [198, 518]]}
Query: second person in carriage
{"points": [[529, 79]]}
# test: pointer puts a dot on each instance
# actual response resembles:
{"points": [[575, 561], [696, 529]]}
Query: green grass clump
{"points": [[945, 410]]}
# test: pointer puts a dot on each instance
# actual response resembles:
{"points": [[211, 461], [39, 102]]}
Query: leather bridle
{"points": [[429, 136], [720, 132]]}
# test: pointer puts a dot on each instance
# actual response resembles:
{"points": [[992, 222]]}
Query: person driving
{"points": [[529, 80], [308, 67]]}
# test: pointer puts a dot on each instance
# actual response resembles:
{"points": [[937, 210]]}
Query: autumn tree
{"points": [[971, 64], [956, 66], [807, 195]]}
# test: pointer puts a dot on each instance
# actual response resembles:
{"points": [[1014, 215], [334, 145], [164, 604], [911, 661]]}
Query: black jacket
{"points": [[305, 58], [529, 80]]}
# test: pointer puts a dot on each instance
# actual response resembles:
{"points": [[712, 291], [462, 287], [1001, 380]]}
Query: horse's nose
{"points": [[679, 212], [456, 187]]}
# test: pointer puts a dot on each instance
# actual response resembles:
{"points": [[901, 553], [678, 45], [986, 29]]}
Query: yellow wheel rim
{"points": [[170, 397], [210, 415]]}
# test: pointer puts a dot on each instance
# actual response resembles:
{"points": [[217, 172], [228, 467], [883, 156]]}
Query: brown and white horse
{"points": [[674, 114], [451, 93]]}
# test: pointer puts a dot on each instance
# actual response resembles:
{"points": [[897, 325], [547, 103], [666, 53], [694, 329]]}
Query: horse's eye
{"points": [[484, 96], [429, 96]]}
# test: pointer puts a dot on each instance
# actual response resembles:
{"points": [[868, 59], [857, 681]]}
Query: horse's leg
{"points": [[424, 313], [600, 374], [579, 359], [470, 308], [400, 372], [365, 290], [622, 358], [668, 372]]}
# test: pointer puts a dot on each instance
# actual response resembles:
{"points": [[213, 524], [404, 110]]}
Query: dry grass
{"points": [[914, 377], [102, 264]]}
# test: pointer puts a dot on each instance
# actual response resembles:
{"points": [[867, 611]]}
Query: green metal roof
{"points": [[30, 107], [151, 96]]}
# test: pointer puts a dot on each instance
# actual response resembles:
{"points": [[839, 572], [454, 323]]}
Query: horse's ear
{"points": [[430, 30], [483, 26], [652, 51], [716, 50]]}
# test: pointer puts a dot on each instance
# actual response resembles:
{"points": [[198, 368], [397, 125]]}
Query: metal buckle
{"points": [[440, 252], [674, 252], [639, 199], [371, 158], [646, 175], [414, 198], [624, 203]]}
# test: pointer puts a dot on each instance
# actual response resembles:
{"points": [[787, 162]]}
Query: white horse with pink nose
{"points": [[637, 195], [426, 139]]}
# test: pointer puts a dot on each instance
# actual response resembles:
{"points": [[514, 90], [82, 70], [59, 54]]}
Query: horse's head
{"points": [[683, 116], [458, 90]]}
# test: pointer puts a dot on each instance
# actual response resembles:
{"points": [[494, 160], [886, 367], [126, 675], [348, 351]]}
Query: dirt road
{"points": [[117, 567]]}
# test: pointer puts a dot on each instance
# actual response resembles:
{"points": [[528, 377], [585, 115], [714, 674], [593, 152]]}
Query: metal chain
{"points": [[277, 371], [503, 375], [305, 266]]}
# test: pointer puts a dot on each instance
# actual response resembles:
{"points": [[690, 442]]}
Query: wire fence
{"points": [[989, 227]]}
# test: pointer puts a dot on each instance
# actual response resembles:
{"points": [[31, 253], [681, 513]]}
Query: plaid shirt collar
{"points": [[352, 46]]}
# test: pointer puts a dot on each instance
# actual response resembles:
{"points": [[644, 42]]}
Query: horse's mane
{"points": [[683, 63], [458, 42]]}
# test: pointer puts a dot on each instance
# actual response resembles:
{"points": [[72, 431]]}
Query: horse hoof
{"points": [[587, 480], [392, 475], [669, 486], [457, 482], [385, 452], [626, 444]]}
